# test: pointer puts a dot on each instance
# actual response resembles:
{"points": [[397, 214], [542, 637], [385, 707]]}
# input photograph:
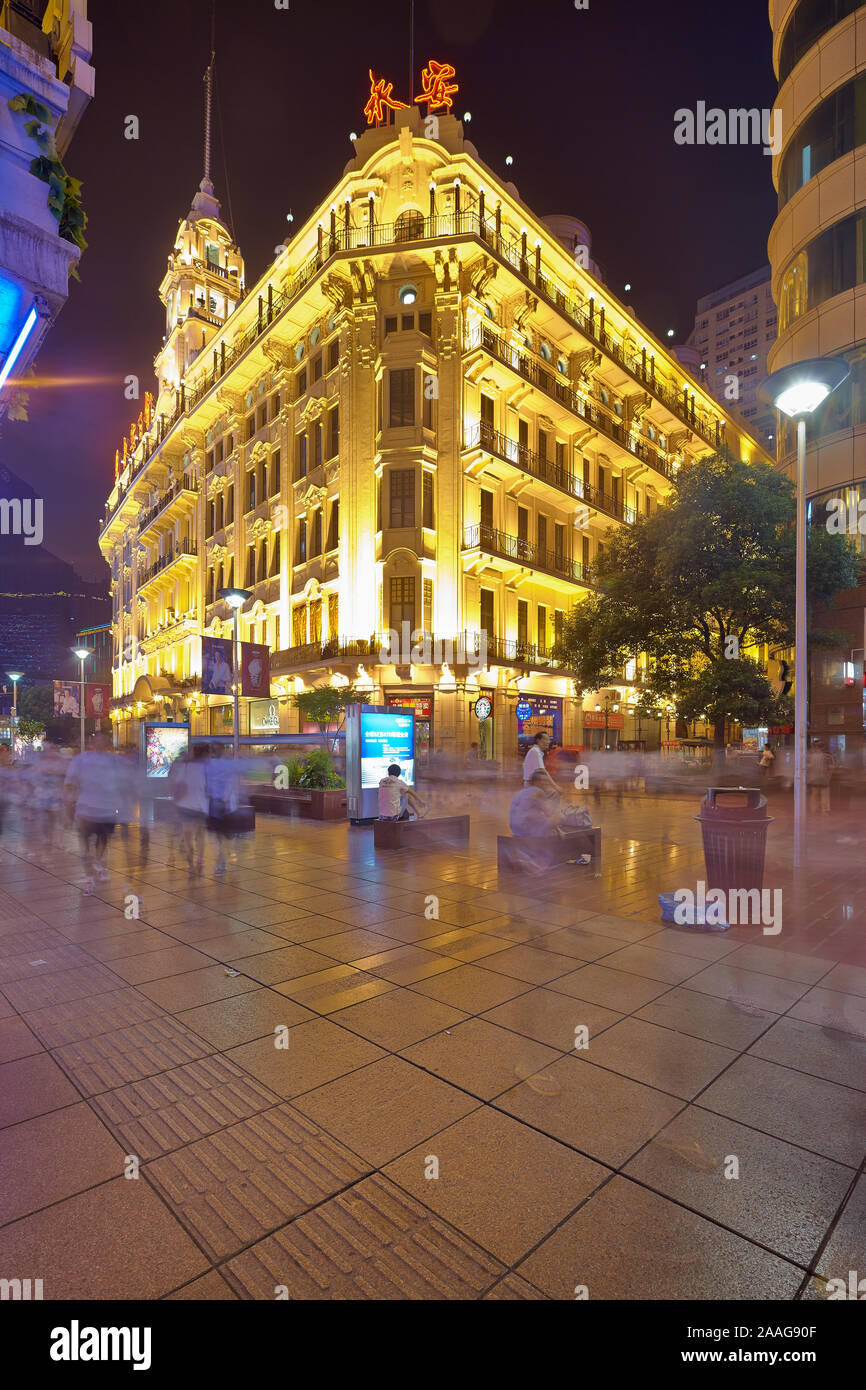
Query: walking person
{"points": [[222, 778], [818, 778], [766, 761], [188, 786], [534, 762], [92, 788]]}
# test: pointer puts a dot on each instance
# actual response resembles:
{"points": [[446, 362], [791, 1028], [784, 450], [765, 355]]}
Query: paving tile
{"points": [[239, 945], [371, 1243], [551, 1018], [196, 987], [628, 1243], [603, 1115], [480, 1058], [614, 989], [830, 1008], [787, 965], [579, 944], [235, 1187], [7, 1010], [411, 927], [133, 943], [622, 929], [352, 946], [513, 1288], [210, 1288], [509, 927], [16, 1039], [464, 944], [32, 1086], [85, 1245], [85, 1018], [385, 1108], [529, 963], [114, 1059], [48, 1158], [35, 961], [471, 988], [806, 1110], [41, 992], [844, 1250], [319, 1051], [286, 963], [850, 979], [399, 1018], [406, 964], [157, 965], [669, 966], [174, 1108], [686, 941], [658, 1057], [229, 1022], [761, 991], [784, 1197], [271, 914], [327, 991], [705, 1016], [826, 1052], [500, 1183]]}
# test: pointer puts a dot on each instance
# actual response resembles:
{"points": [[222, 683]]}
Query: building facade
{"points": [[45, 49], [735, 327], [408, 440], [819, 283]]}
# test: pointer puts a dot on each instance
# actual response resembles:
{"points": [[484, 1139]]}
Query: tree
{"points": [[325, 705], [708, 576]]}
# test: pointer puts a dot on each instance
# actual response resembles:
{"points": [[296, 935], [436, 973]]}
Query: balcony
{"points": [[585, 408], [525, 554], [501, 447], [184, 551], [187, 490]]}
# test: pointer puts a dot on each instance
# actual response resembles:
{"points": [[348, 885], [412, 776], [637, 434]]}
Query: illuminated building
{"points": [[45, 48], [819, 284], [427, 411], [735, 327]]}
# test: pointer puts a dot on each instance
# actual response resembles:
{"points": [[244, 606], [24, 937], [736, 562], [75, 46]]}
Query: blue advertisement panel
{"points": [[544, 717], [385, 739]]}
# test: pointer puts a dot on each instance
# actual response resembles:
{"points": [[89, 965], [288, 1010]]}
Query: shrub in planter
{"points": [[318, 772]]}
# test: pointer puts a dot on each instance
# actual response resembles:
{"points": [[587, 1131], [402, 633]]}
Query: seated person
{"points": [[535, 812], [392, 790]]}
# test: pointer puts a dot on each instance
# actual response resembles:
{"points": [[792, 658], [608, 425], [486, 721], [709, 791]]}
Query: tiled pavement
{"points": [[329, 1090]]}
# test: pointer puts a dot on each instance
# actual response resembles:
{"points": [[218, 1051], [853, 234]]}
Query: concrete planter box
{"points": [[310, 803]]}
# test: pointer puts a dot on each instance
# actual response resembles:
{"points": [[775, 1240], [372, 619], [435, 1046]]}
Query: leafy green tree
{"points": [[325, 705], [697, 584]]}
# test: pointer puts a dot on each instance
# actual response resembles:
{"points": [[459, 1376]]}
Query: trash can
{"points": [[734, 824]]}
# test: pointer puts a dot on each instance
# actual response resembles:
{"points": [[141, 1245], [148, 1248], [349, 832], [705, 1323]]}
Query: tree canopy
{"points": [[709, 575]]}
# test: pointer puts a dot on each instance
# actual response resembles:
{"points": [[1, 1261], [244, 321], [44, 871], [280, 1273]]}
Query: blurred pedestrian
{"points": [[92, 786], [818, 778], [188, 786]]}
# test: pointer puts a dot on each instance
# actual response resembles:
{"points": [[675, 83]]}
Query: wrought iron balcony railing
{"points": [[525, 552]]}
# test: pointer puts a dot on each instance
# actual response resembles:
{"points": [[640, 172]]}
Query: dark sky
{"points": [[583, 100]]}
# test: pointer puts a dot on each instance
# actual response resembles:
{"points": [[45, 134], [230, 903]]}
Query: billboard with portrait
{"points": [[386, 738], [96, 700], [216, 666], [163, 745], [66, 698]]}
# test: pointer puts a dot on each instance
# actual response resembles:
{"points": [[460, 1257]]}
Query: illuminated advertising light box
{"points": [[163, 745], [375, 738]]}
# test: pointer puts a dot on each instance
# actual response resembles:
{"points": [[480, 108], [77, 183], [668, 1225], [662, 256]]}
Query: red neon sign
{"points": [[438, 88], [381, 100]]}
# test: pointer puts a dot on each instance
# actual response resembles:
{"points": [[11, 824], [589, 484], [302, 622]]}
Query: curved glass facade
{"points": [[830, 264], [810, 20], [834, 128], [843, 409], [824, 508]]}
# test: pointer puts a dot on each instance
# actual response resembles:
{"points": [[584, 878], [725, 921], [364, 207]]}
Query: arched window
{"points": [[409, 225]]}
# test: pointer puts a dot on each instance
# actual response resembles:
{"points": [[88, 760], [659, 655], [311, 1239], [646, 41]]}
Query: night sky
{"points": [[584, 101]]}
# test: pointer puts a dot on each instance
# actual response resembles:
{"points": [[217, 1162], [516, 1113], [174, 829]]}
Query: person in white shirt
{"points": [[188, 785], [534, 761], [95, 783], [392, 790]]}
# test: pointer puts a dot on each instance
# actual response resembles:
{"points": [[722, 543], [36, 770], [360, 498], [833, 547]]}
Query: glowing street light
{"points": [[82, 653], [797, 391], [14, 677], [236, 598]]}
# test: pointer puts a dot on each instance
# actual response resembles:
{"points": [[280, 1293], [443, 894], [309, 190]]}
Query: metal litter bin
{"points": [[735, 836]]}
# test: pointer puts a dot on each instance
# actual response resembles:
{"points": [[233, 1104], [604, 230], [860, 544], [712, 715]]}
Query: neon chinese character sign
{"points": [[381, 100], [438, 87]]}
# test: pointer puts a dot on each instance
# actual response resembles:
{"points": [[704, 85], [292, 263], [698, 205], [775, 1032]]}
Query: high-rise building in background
{"points": [[421, 419], [735, 327], [45, 72], [819, 283]]}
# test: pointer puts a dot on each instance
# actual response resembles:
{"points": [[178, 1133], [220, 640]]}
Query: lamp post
{"points": [[236, 598], [82, 653], [14, 677], [797, 391]]}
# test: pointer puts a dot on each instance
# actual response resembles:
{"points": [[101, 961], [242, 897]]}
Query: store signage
{"points": [[437, 91], [483, 708], [543, 716], [421, 704], [524, 709], [592, 719], [264, 716]]}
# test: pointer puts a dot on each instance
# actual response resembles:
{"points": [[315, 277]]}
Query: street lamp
{"points": [[236, 598], [14, 677], [796, 391], [82, 653]]}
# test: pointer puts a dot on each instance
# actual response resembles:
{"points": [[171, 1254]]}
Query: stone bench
{"points": [[549, 849], [435, 830]]}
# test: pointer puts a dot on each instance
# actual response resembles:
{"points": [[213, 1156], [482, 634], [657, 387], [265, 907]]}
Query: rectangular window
{"points": [[425, 324], [218, 453], [301, 470], [542, 629], [333, 615], [275, 472], [275, 405], [487, 508], [585, 551], [250, 426], [614, 490], [334, 526], [251, 566], [316, 620], [487, 417], [218, 522], [333, 354], [522, 438], [559, 543], [561, 447], [403, 602], [251, 490], [208, 461], [301, 548], [317, 367], [522, 622], [602, 479], [334, 432], [587, 476], [542, 533], [402, 497], [261, 417], [430, 386], [275, 556], [230, 504], [317, 444], [542, 444], [316, 541], [301, 381], [390, 324], [427, 499], [558, 620], [487, 597], [427, 619], [522, 524], [299, 625], [407, 322], [401, 397]]}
